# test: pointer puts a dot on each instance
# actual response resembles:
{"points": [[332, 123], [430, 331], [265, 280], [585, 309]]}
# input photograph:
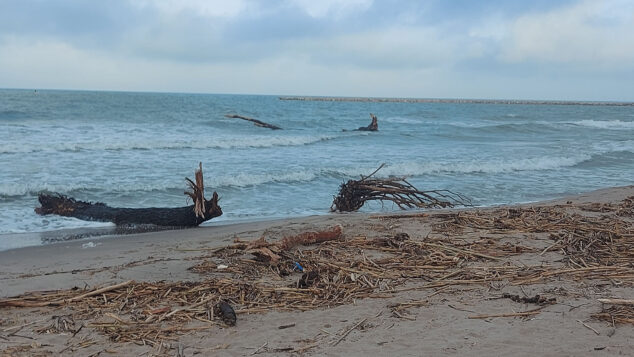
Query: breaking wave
{"points": [[489, 167], [153, 144], [112, 188], [605, 124], [12, 114], [240, 180]]}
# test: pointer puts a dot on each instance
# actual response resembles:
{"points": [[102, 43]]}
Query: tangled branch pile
{"points": [[355, 193]]}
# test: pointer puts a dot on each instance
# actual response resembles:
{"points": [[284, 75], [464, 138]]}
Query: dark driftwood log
{"points": [[374, 125], [355, 193], [254, 121], [189, 216]]}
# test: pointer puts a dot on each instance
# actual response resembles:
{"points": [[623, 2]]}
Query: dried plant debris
{"points": [[61, 324], [617, 314], [327, 268], [586, 241], [624, 209], [30, 350]]}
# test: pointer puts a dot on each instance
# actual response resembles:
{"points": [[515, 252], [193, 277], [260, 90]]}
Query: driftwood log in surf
{"points": [[355, 193], [254, 121], [189, 216], [374, 125]]}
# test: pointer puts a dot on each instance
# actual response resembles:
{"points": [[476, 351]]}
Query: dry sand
{"points": [[443, 324]]}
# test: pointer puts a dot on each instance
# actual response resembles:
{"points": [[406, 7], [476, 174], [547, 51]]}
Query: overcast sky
{"points": [[537, 49]]}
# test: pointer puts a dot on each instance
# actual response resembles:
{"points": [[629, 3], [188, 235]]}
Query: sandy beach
{"points": [[521, 280]]}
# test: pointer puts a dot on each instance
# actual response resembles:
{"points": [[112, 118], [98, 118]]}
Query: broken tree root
{"points": [[355, 193]]}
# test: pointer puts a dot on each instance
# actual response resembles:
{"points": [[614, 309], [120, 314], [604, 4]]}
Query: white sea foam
{"points": [[238, 180], [483, 166], [614, 146], [207, 142], [244, 179], [31, 187], [25, 220], [306, 175], [605, 124], [400, 120]]}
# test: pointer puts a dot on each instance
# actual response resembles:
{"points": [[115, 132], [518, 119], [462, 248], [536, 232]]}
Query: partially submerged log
{"points": [[254, 121], [189, 216], [355, 193], [374, 125]]}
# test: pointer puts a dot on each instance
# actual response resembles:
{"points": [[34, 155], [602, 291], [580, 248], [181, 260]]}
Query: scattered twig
{"points": [[260, 348], [348, 331], [588, 327], [286, 326], [459, 309], [617, 301], [515, 314]]}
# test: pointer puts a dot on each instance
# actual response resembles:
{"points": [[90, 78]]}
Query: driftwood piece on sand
{"points": [[355, 193], [271, 252], [254, 121], [189, 216]]}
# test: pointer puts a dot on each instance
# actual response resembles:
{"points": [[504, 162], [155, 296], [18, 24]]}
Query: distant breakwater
{"points": [[457, 101]]}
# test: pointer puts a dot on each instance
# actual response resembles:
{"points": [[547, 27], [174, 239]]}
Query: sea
{"points": [[129, 149]]}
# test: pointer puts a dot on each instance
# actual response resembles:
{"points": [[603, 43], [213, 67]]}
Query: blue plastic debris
{"points": [[298, 267]]}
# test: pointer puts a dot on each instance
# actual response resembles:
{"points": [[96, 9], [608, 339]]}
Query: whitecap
{"points": [[254, 179], [605, 124], [173, 144], [485, 166]]}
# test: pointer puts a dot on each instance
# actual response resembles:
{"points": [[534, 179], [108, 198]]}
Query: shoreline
{"points": [[440, 314], [85, 234], [215, 235]]}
